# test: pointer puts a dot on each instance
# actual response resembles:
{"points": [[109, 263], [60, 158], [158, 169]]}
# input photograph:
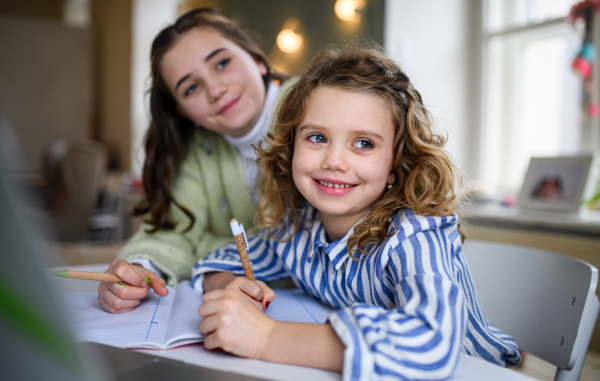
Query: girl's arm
{"points": [[222, 269], [421, 339], [266, 264], [233, 324], [315, 345], [426, 278]]}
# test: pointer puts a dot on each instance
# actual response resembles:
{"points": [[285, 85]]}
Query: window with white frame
{"points": [[531, 96]]}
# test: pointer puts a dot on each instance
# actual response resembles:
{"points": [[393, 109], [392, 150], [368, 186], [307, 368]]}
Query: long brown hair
{"points": [[169, 134], [424, 173]]}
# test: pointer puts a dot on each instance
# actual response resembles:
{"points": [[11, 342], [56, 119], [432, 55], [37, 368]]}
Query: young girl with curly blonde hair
{"points": [[358, 210]]}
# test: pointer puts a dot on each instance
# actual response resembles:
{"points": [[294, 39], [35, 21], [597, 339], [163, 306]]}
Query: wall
{"points": [[263, 19], [148, 18], [46, 77], [48, 9], [78, 78], [431, 40], [111, 24]]}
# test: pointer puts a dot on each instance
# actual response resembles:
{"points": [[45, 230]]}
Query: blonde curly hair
{"points": [[424, 173]]}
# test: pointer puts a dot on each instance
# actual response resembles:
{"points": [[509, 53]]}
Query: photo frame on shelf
{"points": [[562, 183]]}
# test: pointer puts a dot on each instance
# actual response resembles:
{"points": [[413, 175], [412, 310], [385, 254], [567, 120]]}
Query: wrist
{"points": [[266, 340]]}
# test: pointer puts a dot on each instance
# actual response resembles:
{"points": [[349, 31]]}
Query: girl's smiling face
{"points": [[216, 83], [343, 152]]}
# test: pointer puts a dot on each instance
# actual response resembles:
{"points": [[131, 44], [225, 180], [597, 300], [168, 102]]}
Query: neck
{"points": [[338, 226]]}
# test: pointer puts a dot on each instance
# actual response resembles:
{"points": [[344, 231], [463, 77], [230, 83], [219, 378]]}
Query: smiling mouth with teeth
{"points": [[330, 185]]}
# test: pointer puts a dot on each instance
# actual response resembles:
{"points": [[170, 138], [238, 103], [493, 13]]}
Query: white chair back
{"points": [[544, 300]]}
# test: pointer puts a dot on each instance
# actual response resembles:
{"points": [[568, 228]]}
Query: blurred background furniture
{"points": [[74, 176], [544, 300]]}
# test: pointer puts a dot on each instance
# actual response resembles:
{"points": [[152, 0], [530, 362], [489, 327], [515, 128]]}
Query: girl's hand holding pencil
{"points": [[118, 298], [232, 306], [232, 322]]}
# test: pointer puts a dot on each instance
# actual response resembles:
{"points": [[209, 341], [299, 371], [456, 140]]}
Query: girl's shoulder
{"points": [[206, 143], [410, 232], [406, 224]]}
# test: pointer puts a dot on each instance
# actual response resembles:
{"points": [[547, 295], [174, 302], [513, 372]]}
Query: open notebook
{"points": [[170, 321]]}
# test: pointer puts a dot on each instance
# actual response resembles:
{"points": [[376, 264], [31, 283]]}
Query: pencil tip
{"points": [[233, 220], [61, 273]]}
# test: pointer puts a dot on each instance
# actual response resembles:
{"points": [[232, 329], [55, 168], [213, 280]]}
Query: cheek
{"points": [[194, 109], [302, 164], [376, 170], [251, 76], [298, 166]]}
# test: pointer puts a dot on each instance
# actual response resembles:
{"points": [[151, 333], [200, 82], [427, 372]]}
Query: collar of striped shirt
{"points": [[336, 250]]}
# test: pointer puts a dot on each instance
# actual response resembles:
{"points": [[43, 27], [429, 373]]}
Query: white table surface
{"points": [[468, 369]]}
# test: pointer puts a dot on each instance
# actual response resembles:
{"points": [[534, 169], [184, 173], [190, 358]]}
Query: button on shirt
{"points": [[406, 310]]}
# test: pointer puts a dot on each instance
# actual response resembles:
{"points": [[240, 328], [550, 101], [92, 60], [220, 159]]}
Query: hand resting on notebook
{"points": [[115, 298]]}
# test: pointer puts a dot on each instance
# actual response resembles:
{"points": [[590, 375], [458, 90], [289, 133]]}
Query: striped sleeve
{"points": [[266, 264], [421, 340], [419, 336]]}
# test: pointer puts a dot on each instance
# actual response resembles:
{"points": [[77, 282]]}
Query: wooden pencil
{"points": [[73, 274], [242, 251]]}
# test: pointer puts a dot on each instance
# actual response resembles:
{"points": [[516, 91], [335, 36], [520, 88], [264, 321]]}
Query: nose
{"points": [[216, 88], [335, 159]]}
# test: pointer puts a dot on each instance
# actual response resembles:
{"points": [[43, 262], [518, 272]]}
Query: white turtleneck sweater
{"points": [[244, 143]]}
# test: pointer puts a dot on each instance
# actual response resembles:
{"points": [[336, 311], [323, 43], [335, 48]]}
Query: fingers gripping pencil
{"points": [[241, 242]]}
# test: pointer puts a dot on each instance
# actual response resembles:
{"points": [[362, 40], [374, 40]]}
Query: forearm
{"points": [[315, 345], [217, 280]]}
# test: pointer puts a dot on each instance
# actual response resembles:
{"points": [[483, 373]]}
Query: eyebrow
{"points": [[208, 57], [354, 132], [368, 133]]}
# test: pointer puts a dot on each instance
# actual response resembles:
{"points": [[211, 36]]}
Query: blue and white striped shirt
{"points": [[405, 311]]}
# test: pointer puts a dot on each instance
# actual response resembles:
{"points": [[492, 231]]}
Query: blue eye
{"points": [[223, 63], [363, 144], [317, 138], [191, 89]]}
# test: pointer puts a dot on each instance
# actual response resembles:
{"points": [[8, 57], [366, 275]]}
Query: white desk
{"points": [[468, 368]]}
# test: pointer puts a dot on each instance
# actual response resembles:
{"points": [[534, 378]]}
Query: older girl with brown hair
{"points": [[212, 97], [358, 210]]}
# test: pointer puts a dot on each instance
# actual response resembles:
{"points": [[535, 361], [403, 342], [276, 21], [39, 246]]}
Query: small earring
{"points": [[389, 186]]}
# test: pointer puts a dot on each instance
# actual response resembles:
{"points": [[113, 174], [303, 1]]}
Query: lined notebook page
{"points": [[296, 306], [135, 328], [184, 321]]}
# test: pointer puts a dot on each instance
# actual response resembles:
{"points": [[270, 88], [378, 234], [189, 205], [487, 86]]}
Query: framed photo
{"points": [[559, 183]]}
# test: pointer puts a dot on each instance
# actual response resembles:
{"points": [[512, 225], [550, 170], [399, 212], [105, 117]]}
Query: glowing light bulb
{"points": [[288, 41], [346, 9]]}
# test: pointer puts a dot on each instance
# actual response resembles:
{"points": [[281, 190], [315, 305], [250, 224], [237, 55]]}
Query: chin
{"points": [[334, 212]]}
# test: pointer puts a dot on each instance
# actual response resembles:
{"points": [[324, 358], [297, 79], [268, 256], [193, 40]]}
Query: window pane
{"points": [[504, 14], [540, 10], [532, 105], [539, 128]]}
